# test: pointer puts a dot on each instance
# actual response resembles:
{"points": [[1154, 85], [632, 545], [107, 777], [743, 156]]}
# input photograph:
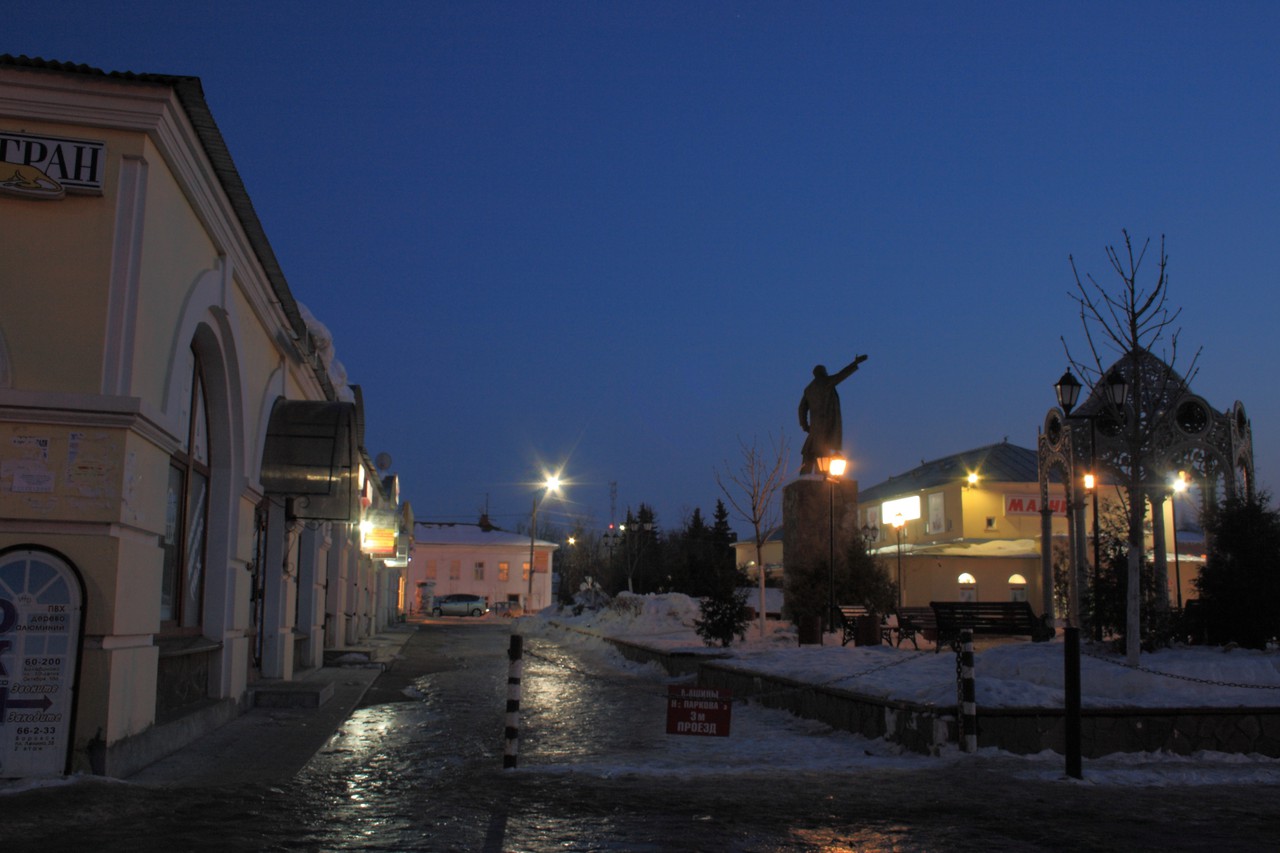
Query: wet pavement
{"points": [[418, 766]]}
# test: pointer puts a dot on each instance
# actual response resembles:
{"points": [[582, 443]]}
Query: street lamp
{"points": [[1067, 390], [550, 485], [1179, 486], [898, 523], [832, 467], [634, 547]]}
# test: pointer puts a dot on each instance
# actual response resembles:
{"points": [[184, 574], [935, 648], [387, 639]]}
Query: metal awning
{"points": [[311, 456]]}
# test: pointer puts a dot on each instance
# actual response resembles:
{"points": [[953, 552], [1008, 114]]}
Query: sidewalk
{"points": [[270, 745]]}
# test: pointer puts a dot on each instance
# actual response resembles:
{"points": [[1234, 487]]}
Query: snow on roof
{"points": [[1005, 548], [472, 534]]}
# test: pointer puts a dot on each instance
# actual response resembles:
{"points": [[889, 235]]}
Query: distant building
{"points": [[969, 526], [744, 557], [479, 559], [970, 530]]}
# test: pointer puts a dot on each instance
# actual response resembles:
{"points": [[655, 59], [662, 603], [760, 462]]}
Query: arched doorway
{"points": [[41, 623]]}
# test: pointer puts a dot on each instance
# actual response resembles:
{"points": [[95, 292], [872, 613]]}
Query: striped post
{"points": [[515, 654], [968, 696]]}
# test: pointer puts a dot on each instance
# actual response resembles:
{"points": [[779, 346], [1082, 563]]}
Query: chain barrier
{"points": [[1180, 676]]}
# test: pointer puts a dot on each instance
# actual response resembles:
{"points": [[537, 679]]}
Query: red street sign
{"points": [[698, 711]]}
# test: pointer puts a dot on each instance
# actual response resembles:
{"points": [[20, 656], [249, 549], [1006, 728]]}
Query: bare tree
{"points": [[751, 490], [1133, 321]]}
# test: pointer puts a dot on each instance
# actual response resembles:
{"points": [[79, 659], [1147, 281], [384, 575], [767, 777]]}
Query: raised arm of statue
{"points": [[848, 370]]}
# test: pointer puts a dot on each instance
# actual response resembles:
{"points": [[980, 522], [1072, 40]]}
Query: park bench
{"points": [[987, 618], [850, 614], [916, 621]]}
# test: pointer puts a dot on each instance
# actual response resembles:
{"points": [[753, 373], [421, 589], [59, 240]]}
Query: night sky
{"points": [[616, 237]]}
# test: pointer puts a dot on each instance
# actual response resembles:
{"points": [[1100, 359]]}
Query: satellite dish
{"points": [[383, 461]]}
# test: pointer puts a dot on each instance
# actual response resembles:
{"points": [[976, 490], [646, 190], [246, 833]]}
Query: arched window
{"points": [[968, 587], [1017, 588], [186, 519]]}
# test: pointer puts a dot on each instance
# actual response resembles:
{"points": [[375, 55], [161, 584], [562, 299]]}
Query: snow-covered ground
{"points": [[1008, 674]]}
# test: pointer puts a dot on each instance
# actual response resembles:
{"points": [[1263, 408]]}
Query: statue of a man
{"points": [[820, 414]]}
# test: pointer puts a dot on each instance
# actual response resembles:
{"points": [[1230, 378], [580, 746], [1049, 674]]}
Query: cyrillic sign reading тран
{"points": [[76, 164]]}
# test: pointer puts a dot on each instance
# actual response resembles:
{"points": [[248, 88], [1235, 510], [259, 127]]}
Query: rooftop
{"points": [[1000, 463]]}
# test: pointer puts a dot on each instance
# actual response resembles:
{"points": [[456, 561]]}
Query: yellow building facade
{"points": [[965, 526], [159, 386]]}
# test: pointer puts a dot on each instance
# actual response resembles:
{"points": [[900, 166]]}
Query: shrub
{"points": [[1240, 582], [723, 618]]}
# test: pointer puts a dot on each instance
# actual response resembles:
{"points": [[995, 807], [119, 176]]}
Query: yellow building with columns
{"points": [[182, 481]]}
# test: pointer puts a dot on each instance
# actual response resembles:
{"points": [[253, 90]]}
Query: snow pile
{"points": [[630, 615], [1008, 674]]}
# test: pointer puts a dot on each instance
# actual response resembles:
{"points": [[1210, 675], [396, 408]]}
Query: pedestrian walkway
{"points": [[270, 745]]}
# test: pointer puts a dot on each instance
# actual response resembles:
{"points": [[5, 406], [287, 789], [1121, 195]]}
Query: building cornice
{"points": [[85, 410]]}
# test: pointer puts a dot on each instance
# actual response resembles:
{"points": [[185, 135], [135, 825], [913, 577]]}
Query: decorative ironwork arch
{"points": [[1181, 432]]}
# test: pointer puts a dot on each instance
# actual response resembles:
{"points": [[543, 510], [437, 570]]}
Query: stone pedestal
{"points": [[809, 508]]}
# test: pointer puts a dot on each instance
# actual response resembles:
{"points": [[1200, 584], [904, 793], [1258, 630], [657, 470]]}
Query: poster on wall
{"points": [[40, 607]]}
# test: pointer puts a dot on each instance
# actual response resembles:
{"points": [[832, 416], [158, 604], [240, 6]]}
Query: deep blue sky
{"points": [[619, 235]]}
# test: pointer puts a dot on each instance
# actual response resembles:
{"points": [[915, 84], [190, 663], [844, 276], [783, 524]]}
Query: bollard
{"points": [[515, 654], [968, 695]]}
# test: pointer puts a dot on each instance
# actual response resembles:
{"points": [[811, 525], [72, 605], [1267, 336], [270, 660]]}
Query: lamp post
{"points": [[832, 468], [1068, 391], [898, 523], [1179, 486], [634, 551], [551, 484]]}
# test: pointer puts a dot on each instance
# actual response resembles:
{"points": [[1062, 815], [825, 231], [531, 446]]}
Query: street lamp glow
{"points": [[1088, 482], [832, 467], [1180, 482], [551, 485]]}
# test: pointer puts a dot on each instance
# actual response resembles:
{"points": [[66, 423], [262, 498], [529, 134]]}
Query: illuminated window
{"points": [[1017, 588], [186, 517], [968, 587], [431, 570], [504, 571], [524, 574]]}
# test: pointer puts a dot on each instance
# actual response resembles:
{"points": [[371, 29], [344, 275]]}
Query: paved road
{"points": [[418, 767]]}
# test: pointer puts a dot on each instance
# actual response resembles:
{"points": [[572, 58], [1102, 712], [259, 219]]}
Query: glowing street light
{"points": [[832, 467], [550, 485], [1180, 484]]}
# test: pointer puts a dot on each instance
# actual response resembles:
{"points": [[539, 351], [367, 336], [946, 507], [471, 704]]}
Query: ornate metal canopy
{"points": [[1177, 431]]}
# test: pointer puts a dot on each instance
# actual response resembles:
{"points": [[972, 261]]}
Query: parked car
{"points": [[459, 604]]}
